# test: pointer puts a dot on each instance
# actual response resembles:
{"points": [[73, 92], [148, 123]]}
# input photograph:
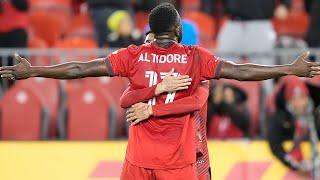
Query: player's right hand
{"points": [[171, 83], [22, 70]]}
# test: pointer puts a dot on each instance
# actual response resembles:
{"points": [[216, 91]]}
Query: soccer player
{"points": [[162, 148], [196, 103]]}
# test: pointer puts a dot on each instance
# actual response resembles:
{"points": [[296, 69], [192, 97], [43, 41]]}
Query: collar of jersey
{"points": [[163, 50]]}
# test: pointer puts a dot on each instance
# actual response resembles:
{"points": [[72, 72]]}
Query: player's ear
{"points": [[178, 32]]}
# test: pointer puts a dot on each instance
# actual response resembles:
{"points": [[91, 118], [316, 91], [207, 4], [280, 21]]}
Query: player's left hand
{"points": [[138, 112], [303, 68]]}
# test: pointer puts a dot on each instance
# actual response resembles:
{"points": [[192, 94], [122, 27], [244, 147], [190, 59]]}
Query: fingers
{"points": [[183, 77], [314, 73], [304, 55], [314, 64], [184, 84], [6, 72], [315, 68], [131, 117], [8, 76], [130, 110], [182, 88], [20, 59], [171, 72], [7, 68], [17, 57]]}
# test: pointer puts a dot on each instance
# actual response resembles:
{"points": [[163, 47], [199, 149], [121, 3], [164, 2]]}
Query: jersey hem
{"points": [[164, 167]]}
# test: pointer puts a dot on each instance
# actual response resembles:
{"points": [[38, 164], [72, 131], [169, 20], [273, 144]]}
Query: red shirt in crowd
{"points": [[11, 18]]}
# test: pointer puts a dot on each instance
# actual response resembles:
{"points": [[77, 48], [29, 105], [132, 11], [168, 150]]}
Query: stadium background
{"points": [[53, 129]]}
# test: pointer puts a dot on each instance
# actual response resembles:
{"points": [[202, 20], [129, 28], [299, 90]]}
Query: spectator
{"points": [[228, 114], [250, 30], [13, 25], [123, 31], [14, 21], [190, 33], [250, 27], [294, 108], [313, 36], [100, 10]]}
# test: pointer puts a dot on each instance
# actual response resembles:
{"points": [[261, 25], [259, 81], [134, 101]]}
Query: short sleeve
{"points": [[119, 62], [210, 65]]}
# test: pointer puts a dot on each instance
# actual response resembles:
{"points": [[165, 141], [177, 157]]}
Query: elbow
{"points": [[124, 105], [198, 106]]}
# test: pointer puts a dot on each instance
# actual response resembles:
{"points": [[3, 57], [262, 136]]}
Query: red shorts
{"points": [[132, 172]]}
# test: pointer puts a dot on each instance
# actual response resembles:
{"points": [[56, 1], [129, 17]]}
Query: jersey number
{"points": [[153, 80]]}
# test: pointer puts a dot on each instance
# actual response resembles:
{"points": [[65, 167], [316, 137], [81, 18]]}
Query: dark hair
{"points": [[163, 18], [148, 32]]}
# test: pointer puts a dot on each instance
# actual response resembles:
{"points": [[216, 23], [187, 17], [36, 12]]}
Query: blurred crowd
{"points": [[277, 110], [255, 26]]}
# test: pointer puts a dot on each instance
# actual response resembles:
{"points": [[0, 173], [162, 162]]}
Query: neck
{"points": [[165, 40]]}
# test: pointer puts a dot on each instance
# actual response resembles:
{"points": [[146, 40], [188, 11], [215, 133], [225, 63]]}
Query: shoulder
{"points": [[130, 50], [201, 49], [188, 49]]}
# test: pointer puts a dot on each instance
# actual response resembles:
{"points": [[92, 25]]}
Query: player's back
{"points": [[166, 142]]}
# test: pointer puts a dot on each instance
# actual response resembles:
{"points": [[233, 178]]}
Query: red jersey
{"points": [[163, 142], [11, 18], [202, 155], [195, 104]]}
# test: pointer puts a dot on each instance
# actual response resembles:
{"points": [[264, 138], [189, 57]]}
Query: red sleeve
{"points": [[131, 97], [190, 104], [119, 62], [210, 65]]}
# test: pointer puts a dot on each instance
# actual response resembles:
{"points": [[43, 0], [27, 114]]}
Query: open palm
{"points": [[22, 70], [303, 68]]}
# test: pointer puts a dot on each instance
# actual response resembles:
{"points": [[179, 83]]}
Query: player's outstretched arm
{"points": [[170, 83], [69, 70], [253, 72], [190, 103], [195, 102]]}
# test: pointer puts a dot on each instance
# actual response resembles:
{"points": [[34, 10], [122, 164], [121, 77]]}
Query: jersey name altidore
{"points": [[168, 58]]}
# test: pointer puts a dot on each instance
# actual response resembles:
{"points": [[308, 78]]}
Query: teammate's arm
{"points": [[69, 70], [195, 102], [131, 97], [254, 72], [190, 104], [170, 83]]}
